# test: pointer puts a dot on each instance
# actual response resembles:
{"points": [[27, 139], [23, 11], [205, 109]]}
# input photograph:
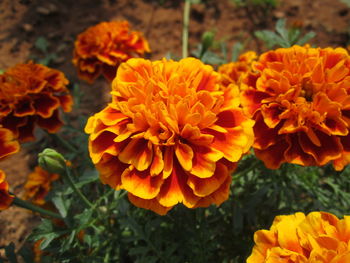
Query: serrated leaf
{"points": [[87, 239], [88, 177], [84, 217], [62, 204], [281, 28], [212, 59], [47, 239], [306, 38]]}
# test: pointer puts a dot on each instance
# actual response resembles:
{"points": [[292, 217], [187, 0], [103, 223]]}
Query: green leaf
{"points": [[88, 176], [47, 239], [84, 217], [66, 244], [281, 28], [236, 50], [306, 38], [62, 203], [42, 44]]}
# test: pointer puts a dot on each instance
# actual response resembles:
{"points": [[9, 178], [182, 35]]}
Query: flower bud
{"points": [[207, 40], [52, 161]]}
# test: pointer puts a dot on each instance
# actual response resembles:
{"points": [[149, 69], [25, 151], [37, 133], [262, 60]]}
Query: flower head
{"points": [[172, 134], [232, 72], [5, 197], [317, 237], [101, 49], [38, 185], [32, 94], [300, 100]]}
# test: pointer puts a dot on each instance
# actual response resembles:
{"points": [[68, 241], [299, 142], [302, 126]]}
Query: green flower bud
{"points": [[207, 40], [52, 161]]}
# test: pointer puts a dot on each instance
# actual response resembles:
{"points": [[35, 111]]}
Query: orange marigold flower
{"points": [[300, 100], [317, 237], [38, 185], [101, 48], [172, 134], [32, 94], [5, 197], [232, 73], [8, 144]]}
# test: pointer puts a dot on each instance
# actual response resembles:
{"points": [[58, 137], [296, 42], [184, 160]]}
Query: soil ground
{"points": [[22, 22]]}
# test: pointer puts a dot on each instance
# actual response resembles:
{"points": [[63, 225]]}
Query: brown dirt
{"points": [[59, 21]]}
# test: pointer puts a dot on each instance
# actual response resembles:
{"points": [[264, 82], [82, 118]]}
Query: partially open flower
{"points": [[8, 144], [5, 197], [32, 94], [101, 48], [231, 73], [300, 100], [317, 237], [38, 185], [172, 134]]}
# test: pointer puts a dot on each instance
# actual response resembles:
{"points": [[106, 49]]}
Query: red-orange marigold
{"points": [[38, 185], [172, 134], [317, 237], [32, 94], [5, 197], [101, 48], [231, 73], [300, 100]]}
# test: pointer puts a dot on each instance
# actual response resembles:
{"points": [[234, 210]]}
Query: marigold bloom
{"points": [[172, 134], [317, 237], [300, 100], [232, 72], [38, 185], [32, 94], [5, 197], [8, 144], [101, 48]]}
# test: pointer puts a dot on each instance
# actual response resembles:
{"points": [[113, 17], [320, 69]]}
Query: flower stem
{"points": [[76, 190], [24, 204], [186, 20]]}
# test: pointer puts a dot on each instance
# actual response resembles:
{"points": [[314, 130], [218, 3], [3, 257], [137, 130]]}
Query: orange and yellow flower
{"points": [[300, 100], [8, 144], [172, 134], [38, 185], [5, 197], [317, 237], [101, 48], [232, 72], [32, 94]]}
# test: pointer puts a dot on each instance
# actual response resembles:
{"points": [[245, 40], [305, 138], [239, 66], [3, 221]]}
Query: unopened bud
{"points": [[52, 161]]}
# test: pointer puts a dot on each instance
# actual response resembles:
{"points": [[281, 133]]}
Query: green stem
{"points": [[186, 20], [76, 190], [34, 208]]}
